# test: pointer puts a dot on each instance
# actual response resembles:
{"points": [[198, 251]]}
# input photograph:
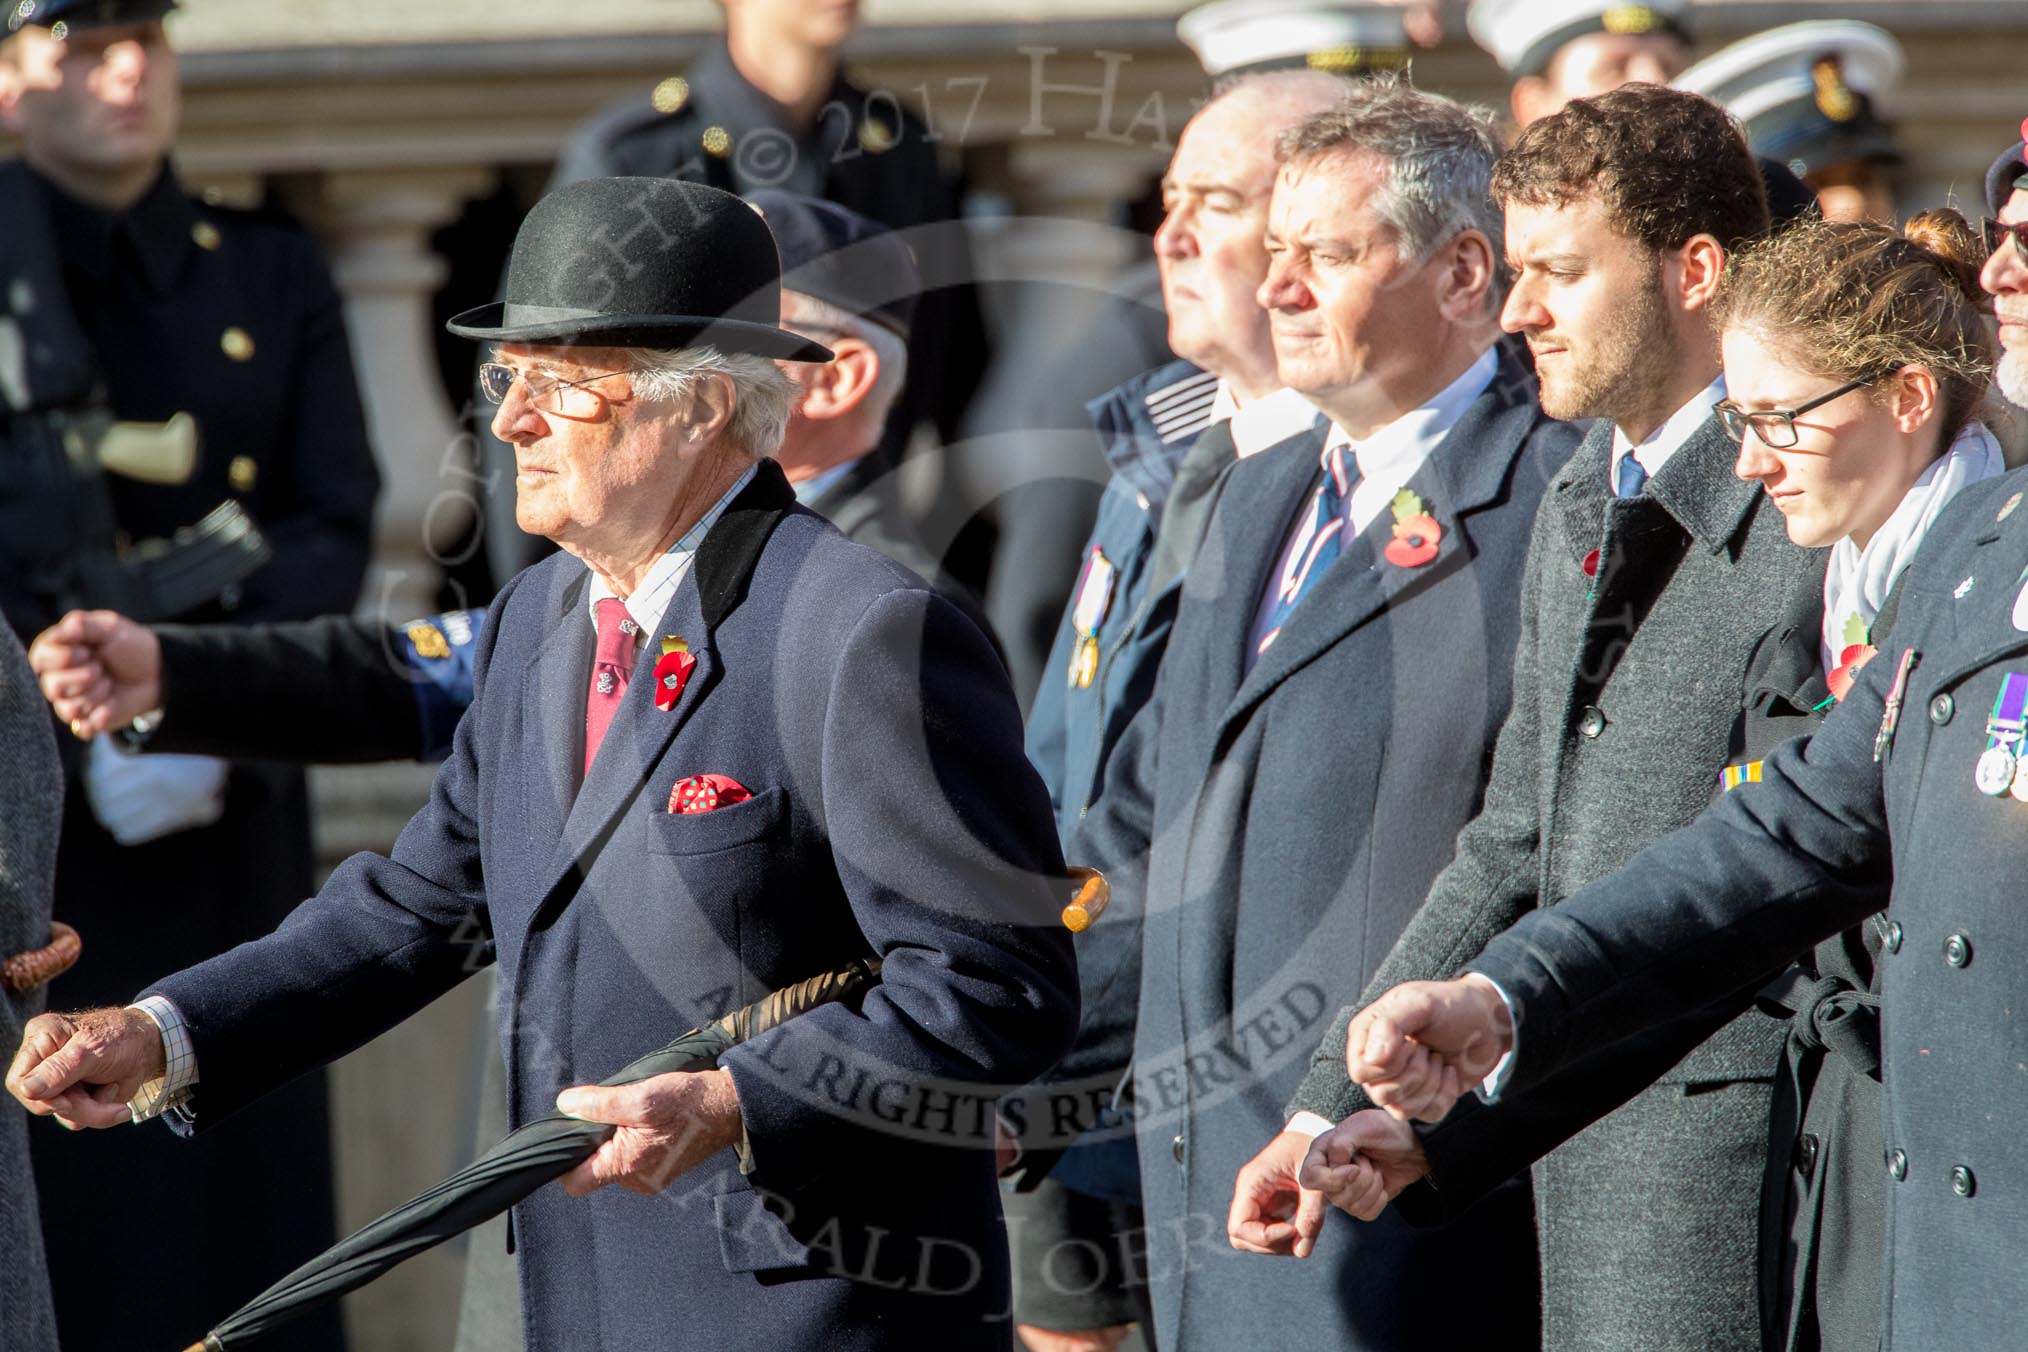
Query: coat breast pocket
{"points": [[687, 833]]}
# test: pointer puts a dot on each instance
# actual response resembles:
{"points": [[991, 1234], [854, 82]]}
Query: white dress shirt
{"points": [[1267, 421], [1667, 439], [1387, 460]]}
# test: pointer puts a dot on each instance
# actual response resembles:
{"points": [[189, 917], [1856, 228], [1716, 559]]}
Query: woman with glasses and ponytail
{"points": [[1858, 364]]}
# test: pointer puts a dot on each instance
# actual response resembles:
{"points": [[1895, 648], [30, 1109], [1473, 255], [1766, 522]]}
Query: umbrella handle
{"points": [[1094, 894]]}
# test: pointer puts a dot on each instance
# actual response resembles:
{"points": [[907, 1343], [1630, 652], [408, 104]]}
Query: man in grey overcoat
{"points": [[1336, 675], [1652, 571], [31, 806]]}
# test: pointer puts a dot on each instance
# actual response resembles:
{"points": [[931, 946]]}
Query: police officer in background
{"points": [[1812, 96], [1559, 50], [122, 299], [767, 106]]}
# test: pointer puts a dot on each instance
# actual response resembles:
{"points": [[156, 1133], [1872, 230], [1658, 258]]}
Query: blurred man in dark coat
{"points": [[133, 301]]}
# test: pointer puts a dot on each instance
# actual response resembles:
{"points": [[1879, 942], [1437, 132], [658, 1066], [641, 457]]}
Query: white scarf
{"points": [[1857, 580]]}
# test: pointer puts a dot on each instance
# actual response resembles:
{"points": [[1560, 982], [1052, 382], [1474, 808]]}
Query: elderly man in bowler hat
{"points": [[728, 750]]}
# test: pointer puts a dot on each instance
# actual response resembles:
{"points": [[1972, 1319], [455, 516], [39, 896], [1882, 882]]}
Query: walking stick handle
{"points": [[1094, 894]]}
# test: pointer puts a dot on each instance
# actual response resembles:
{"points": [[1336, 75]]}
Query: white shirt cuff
{"points": [[1496, 1079], [1310, 1124], [170, 1092]]}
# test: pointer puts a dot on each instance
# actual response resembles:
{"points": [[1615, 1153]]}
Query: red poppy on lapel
{"points": [[702, 793], [672, 670], [1850, 660], [1416, 532]]}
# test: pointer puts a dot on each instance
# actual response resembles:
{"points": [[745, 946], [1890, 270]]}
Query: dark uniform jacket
{"points": [[1879, 807], [1626, 692], [1823, 1201], [175, 306], [1268, 832], [891, 814]]}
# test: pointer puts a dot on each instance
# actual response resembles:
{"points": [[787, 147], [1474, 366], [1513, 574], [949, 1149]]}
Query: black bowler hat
{"points": [[642, 262], [72, 14], [841, 257]]}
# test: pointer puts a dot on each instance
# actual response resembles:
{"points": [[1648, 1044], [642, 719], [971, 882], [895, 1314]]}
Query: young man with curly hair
{"points": [[1651, 572]]}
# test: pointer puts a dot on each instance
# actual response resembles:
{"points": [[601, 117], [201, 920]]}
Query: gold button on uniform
{"points": [[241, 473], [671, 94], [205, 234], [428, 640], [874, 136], [237, 343], [717, 140]]}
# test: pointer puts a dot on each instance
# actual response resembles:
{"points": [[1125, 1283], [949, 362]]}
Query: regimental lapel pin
{"points": [[672, 670]]}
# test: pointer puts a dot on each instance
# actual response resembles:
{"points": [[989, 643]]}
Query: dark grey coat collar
{"points": [[1697, 487]]}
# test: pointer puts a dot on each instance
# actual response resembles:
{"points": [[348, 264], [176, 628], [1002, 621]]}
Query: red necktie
{"points": [[610, 670]]}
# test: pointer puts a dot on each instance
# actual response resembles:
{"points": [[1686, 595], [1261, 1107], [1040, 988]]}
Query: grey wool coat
{"points": [[1268, 833], [31, 806], [1626, 690]]}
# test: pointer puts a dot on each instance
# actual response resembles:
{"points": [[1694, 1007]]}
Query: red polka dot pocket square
{"points": [[702, 793]]}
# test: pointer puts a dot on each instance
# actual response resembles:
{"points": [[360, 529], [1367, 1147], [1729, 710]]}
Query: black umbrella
{"points": [[527, 1158], [545, 1149]]}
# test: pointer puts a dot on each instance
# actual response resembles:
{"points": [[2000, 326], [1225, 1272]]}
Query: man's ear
{"points": [[1530, 99], [712, 400], [1465, 277], [837, 388], [1699, 264]]}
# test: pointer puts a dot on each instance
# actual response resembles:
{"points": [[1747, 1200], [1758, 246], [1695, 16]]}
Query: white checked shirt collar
{"points": [[1667, 439], [651, 599]]}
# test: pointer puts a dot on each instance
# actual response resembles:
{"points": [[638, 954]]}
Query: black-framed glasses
{"points": [[1996, 232], [564, 398], [1776, 427]]}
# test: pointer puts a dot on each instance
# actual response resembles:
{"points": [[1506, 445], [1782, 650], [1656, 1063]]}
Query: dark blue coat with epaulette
{"points": [[1880, 806]]}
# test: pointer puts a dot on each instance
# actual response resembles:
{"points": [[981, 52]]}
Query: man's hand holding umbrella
{"points": [[667, 1125]]}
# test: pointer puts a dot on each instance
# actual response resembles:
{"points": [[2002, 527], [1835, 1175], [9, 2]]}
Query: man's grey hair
{"points": [[801, 310], [1439, 155], [761, 393]]}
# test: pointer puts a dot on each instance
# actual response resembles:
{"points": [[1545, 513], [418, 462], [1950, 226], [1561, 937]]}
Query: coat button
{"points": [[1962, 1182], [1176, 1147], [1957, 950], [1892, 943], [1941, 708], [1591, 722], [1806, 1153], [1897, 1165]]}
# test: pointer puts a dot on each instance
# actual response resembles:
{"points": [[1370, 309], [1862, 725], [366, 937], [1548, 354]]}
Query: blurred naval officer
{"points": [[122, 297], [1813, 96], [1558, 50], [768, 106]]}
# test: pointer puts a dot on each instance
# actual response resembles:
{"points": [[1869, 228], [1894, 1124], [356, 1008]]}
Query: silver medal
{"points": [[1995, 773], [2019, 788]]}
